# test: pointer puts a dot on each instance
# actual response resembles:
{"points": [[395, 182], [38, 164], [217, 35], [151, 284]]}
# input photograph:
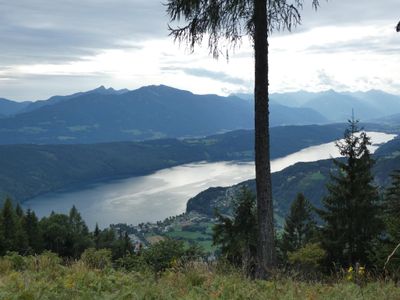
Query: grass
{"points": [[202, 239], [43, 277]]}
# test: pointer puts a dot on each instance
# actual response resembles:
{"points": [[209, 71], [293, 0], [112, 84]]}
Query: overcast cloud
{"points": [[52, 47]]}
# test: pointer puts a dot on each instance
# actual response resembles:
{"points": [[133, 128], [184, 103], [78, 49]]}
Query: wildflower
{"points": [[349, 275], [361, 271]]}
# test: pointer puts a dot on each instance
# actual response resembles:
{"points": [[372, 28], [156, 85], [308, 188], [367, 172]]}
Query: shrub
{"points": [[97, 259], [15, 261], [131, 262], [47, 261], [164, 254], [307, 259]]}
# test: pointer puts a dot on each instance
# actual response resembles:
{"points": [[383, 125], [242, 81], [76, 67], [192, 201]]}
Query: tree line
{"points": [[64, 234]]}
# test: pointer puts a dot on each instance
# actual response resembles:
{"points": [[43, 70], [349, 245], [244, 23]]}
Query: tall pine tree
{"points": [[33, 233], [392, 206], [300, 225], [80, 238], [96, 236], [351, 208], [392, 221], [237, 236], [13, 236]]}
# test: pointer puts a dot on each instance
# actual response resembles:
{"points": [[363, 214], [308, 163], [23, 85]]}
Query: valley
{"points": [[165, 193], [160, 169], [32, 170], [199, 150]]}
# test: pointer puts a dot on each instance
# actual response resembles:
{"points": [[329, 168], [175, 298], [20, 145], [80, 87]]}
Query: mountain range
{"points": [[107, 115], [338, 106]]}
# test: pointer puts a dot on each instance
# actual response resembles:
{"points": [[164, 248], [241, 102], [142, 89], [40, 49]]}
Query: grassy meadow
{"points": [[47, 277]]}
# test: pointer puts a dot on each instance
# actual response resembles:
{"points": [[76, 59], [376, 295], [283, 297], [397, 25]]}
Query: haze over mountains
{"points": [[107, 115], [337, 106]]}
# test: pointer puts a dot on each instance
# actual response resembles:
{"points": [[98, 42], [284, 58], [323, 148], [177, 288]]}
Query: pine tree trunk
{"points": [[266, 246]]}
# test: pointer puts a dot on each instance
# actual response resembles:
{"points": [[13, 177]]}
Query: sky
{"points": [[59, 47]]}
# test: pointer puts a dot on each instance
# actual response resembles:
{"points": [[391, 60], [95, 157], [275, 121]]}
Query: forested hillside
{"points": [[308, 178], [30, 170]]}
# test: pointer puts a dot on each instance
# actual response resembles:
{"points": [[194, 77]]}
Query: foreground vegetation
{"points": [[46, 277]]}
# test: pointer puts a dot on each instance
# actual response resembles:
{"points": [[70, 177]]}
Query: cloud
{"points": [[50, 46], [47, 31], [348, 13], [381, 44], [214, 75], [327, 81]]}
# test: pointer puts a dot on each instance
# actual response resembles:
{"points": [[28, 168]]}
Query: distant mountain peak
{"points": [[101, 89], [160, 89], [107, 91]]}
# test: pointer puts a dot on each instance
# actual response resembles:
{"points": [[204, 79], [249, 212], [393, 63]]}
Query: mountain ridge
{"points": [[337, 106], [104, 115]]}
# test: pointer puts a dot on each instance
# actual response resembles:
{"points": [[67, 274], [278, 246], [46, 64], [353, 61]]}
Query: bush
{"points": [[15, 261], [164, 254], [131, 262], [97, 259], [47, 261], [307, 259]]}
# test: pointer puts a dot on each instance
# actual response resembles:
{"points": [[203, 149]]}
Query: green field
{"points": [[201, 234]]}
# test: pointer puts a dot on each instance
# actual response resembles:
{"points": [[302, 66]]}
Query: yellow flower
{"points": [[350, 272], [361, 271]]}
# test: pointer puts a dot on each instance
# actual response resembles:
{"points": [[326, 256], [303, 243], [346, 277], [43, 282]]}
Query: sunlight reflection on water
{"points": [[165, 193]]}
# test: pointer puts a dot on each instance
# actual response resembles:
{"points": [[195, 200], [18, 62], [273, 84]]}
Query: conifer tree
{"points": [[392, 203], [80, 238], [237, 236], [96, 236], [392, 219], [351, 211], [20, 235], [300, 225], [18, 210], [33, 233], [8, 226]]}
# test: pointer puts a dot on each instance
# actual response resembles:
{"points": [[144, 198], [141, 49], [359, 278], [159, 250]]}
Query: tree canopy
{"points": [[228, 21]]}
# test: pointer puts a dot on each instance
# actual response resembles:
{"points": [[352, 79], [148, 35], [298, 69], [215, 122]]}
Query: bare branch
{"points": [[391, 255]]}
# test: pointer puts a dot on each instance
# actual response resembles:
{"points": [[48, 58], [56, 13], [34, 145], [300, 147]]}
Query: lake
{"points": [[165, 193]]}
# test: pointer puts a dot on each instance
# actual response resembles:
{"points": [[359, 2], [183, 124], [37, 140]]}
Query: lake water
{"points": [[165, 193]]}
